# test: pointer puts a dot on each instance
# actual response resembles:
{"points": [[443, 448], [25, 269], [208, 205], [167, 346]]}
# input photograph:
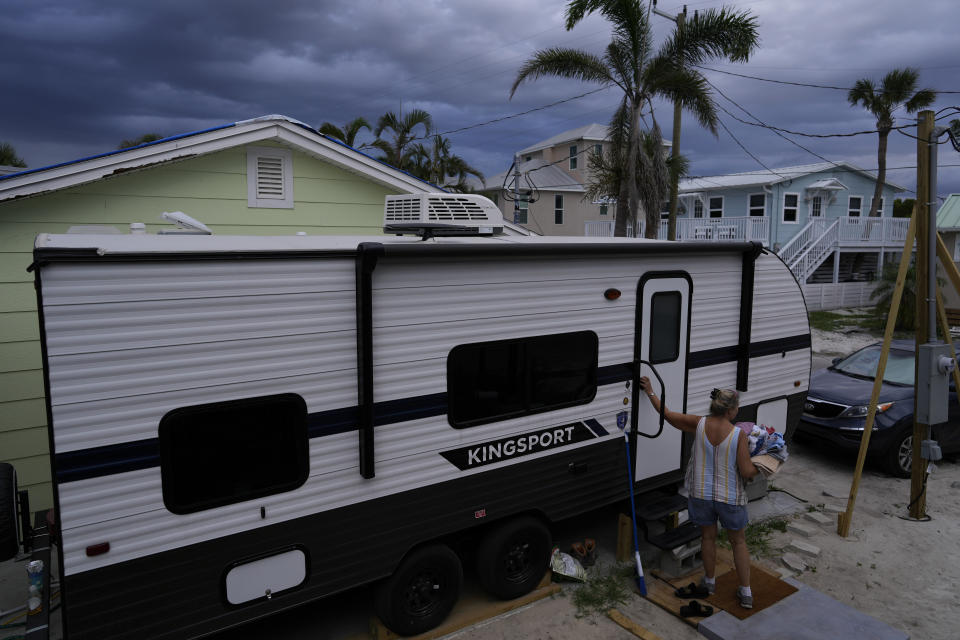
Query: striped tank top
{"points": [[712, 472]]}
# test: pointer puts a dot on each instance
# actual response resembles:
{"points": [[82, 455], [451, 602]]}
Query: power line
{"points": [[747, 151], [795, 84], [516, 115], [793, 142]]}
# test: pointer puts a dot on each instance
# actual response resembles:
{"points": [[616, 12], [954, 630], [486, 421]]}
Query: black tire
{"points": [[513, 556], [421, 592], [898, 457], [9, 530]]}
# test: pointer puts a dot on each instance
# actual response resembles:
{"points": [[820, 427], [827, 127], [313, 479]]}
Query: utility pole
{"points": [[516, 189], [680, 19], [918, 501]]}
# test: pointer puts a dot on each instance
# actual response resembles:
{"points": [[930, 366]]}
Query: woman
{"points": [[716, 472]]}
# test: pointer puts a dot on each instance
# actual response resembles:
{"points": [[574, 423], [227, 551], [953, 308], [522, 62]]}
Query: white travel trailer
{"points": [[243, 424]]}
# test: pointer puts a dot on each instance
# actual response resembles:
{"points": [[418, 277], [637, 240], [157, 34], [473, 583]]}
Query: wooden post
{"points": [[949, 266], [844, 519], [918, 503], [945, 328]]}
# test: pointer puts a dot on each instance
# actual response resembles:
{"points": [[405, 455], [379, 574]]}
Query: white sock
{"points": [[746, 591], [710, 581]]}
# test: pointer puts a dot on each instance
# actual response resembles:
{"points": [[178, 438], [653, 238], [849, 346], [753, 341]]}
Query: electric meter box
{"points": [[934, 365]]}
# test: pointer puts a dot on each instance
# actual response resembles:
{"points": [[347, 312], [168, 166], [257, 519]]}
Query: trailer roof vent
{"points": [[449, 214]]}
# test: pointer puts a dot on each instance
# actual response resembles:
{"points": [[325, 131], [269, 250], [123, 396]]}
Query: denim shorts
{"points": [[705, 513]]}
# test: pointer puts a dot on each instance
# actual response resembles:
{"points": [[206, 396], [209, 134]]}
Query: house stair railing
{"points": [[807, 261], [802, 240]]}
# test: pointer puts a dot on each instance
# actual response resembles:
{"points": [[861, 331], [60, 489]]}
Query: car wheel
{"points": [[898, 458], [513, 557], [9, 533], [421, 592]]}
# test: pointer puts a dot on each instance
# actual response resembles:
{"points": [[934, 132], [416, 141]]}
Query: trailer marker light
{"points": [[98, 549], [611, 294], [480, 513]]}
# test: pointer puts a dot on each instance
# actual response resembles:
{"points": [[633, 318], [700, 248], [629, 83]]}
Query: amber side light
{"points": [[611, 294]]}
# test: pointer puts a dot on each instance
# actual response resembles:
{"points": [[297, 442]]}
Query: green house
{"points": [[266, 176]]}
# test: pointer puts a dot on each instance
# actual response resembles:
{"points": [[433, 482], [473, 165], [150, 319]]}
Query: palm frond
{"points": [[563, 63], [714, 33]]}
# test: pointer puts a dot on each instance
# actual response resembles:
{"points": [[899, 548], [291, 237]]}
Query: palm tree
{"points": [[9, 157], [897, 89], [710, 35], [396, 152], [347, 135], [144, 139], [630, 64], [437, 164]]}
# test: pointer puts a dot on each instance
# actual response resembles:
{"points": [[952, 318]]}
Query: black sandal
{"points": [[692, 591], [696, 610]]}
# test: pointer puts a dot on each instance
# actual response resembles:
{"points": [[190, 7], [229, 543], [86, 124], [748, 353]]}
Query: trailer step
{"points": [[661, 507], [673, 538]]}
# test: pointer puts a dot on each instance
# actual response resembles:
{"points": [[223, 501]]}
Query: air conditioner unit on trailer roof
{"points": [[434, 214]]}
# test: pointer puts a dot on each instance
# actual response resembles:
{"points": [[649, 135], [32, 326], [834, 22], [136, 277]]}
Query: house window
{"points": [[558, 209], [879, 206], [854, 206], [603, 209], [528, 158], [491, 381], [816, 207], [665, 210], [520, 212], [790, 201], [716, 207], [698, 208], [269, 178], [598, 149], [226, 452], [665, 326], [758, 204], [573, 157]]}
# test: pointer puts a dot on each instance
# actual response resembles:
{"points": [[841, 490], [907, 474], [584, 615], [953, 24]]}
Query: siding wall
{"points": [[212, 189]]}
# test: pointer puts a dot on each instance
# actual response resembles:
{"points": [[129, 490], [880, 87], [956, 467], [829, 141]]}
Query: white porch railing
{"points": [[799, 243], [598, 228], [816, 252], [739, 229], [872, 231]]}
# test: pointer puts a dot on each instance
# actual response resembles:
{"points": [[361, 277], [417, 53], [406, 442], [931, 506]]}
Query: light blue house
{"points": [[815, 216]]}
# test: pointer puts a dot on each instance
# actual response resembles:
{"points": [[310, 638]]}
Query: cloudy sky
{"points": [[79, 76]]}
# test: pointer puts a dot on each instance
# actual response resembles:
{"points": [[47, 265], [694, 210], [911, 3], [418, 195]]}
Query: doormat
{"points": [[768, 589]]}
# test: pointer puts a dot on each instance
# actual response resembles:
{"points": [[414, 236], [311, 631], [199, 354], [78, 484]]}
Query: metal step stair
{"points": [[660, 508]]}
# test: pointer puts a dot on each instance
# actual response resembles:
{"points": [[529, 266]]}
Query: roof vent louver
{"points": [[435, 214]]}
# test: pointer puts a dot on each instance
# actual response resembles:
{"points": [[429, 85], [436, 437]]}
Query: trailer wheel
{"points": [[513, 557], [9, 538], [421, 592]]}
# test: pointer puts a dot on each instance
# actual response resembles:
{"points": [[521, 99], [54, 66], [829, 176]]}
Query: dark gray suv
{"points": [[836, 407]]}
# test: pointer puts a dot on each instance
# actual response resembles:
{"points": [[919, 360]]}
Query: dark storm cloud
{"points": [[81, 75]]}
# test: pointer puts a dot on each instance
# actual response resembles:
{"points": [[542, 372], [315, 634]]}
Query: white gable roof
{"points": [[762, 177], [275, 128], [597, 132]]}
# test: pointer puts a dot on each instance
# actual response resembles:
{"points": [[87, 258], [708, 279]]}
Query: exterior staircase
{"points": [[811, 247]]}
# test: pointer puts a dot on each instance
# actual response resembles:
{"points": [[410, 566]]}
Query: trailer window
{"points": [[225, 452], [664, 326], [490, 381]]}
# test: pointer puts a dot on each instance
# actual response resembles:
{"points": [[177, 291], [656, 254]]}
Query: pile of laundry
{"points": [[767, 448]]}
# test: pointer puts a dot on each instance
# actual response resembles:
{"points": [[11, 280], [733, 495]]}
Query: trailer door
{"points": [[663, 327]]}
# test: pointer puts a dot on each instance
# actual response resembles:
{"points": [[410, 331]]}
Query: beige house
{"points": [[556, 170]]}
